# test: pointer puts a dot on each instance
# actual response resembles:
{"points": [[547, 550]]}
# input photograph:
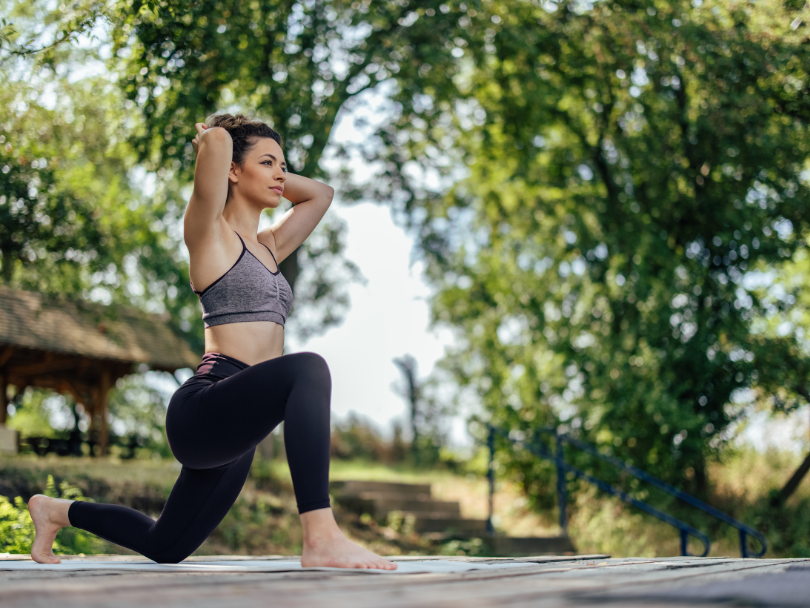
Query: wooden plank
{"points": [[553, 584], [48, 365], [755, 584]]}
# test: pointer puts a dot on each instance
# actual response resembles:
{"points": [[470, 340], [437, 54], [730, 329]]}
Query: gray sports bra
{"points": [[248, 291]]}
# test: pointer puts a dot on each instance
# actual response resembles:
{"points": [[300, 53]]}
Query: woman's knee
{"points": [[312, 367]]}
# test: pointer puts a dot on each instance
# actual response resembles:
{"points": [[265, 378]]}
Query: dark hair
{"points": [[244, 133]]}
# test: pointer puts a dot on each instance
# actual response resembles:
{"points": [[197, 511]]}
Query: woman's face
{"points": [[261, 177]]}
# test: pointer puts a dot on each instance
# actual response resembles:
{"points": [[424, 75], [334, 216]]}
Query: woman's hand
{"points": [[201, 127]]}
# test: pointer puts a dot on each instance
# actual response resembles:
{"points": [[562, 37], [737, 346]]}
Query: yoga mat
{"points": [[405, 567]]}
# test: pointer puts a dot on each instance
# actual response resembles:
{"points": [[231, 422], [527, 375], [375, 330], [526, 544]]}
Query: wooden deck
{"points": [[542, 582]]}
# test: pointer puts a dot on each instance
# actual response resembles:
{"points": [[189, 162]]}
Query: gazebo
{"points": [[80, 348]]}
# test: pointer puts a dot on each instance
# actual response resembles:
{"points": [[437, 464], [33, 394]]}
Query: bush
{"points": [[358, 439], [17, 529]]}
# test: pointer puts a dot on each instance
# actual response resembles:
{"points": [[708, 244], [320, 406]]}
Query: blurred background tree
{"points": [[635, 170], [428, 411]]}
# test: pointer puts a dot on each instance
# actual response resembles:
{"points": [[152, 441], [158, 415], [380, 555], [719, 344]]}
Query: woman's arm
{"points": [[214, 148], [310, 201]]}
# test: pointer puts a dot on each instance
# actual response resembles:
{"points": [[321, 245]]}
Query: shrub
{"points": [[17, 529]]}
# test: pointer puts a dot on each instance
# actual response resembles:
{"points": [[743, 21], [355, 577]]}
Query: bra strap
{"points": [[271, 253], [241, 239]]}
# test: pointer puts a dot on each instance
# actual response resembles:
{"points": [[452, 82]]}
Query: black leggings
{"points": [[214, 422]]}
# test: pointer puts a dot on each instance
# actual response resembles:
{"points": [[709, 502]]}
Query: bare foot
{"points": [[339, 552], [49, 516]]}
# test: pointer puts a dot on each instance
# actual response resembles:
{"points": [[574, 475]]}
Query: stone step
{"points": [[438, 519], [450, 525], [429, 514], [389, 496], [381, 508], [356, 487], [417, 506]]}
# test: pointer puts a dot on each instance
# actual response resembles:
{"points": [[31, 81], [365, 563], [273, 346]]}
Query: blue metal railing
{"points": [[537, 447]]}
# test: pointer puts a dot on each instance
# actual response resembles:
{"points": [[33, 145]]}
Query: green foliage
{"points": [[139, 411], [74, 218], [475, 547], [29, 28], [31, 416], [357, 439], [401, 523], [17, 529], [632, 167], [428, 410], [270, 475]]}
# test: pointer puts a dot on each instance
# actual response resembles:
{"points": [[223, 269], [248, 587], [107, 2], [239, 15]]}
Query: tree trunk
{"points": [[795, 480]]}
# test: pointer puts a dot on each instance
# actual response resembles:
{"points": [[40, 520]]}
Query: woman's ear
{"points": [[233, 174]]}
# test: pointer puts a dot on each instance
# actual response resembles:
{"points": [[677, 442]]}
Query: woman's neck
{"points": [[242, 217]]}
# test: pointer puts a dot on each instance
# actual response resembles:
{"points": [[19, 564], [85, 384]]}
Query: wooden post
{"points": [[90, 402], [3, 399], [101, 408]]}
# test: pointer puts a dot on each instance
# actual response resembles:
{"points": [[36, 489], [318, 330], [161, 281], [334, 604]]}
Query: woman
{"points": [[244, 387]]}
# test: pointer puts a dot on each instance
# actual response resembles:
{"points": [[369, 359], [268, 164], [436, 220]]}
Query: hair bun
{"points": [[244, 131], [228, 121]]}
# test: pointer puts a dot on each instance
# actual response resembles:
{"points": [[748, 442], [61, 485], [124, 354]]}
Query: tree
{"points": [[429, 405], [407, 365], [631, 165], [72, 216], [69, 211]]}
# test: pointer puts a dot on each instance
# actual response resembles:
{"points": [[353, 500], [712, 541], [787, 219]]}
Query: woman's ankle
{"points": [[320, 527], [53, 510], [315, 542]]}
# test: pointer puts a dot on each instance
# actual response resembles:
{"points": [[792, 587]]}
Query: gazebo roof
{"points": [[62, 325]]}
